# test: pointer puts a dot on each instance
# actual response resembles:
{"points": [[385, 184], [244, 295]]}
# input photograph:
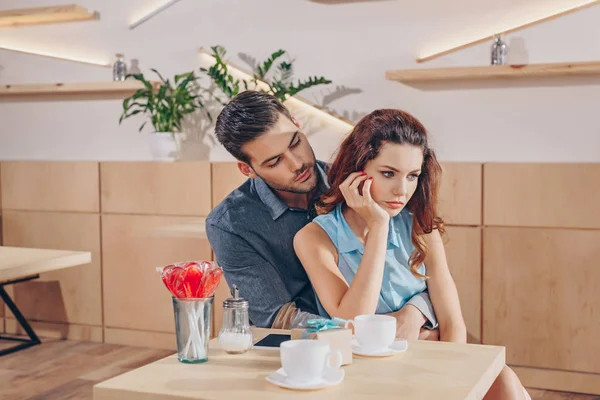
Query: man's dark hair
{"points": [[248, 115]]}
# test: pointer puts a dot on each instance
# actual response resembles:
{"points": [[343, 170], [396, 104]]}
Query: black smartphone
{"points": [[272, 340]]}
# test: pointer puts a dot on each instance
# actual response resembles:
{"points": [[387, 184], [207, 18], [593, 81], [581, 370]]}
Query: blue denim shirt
{"points": [[252, 233]]}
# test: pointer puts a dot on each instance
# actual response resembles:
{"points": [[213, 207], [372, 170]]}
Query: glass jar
{"points": [[235, 336], [192, 328], [119, 68]]}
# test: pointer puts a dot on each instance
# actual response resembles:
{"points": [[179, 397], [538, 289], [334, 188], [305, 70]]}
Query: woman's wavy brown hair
{"points": [[363, 145]]}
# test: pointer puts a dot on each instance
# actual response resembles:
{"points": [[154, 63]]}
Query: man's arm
{"points": [[290, 317], [256, 279]]}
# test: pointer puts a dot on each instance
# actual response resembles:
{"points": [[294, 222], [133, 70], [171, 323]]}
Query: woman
{"points": [[377, 241]]}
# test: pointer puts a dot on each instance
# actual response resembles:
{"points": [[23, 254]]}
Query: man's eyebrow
{"points": [[278, 155]]}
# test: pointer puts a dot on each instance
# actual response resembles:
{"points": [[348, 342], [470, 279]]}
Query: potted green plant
{"points": [[279, 81], [166, 104]]}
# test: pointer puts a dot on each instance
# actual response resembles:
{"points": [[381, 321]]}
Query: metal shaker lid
{"points": [[236, 301]]}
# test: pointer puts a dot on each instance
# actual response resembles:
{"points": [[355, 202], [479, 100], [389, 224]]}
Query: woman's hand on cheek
{"points": [[363, 204]]}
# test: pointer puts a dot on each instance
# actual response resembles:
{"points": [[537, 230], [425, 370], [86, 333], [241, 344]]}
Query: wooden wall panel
{"points": [[50, 186], [542, 195], [134, 295], [71, 295], [156, 188], [126, 337], [226, 178], [87, 333], [1, 302], [221, 294], [463, 250], [541, 298], [563, 381], [460, 193]]}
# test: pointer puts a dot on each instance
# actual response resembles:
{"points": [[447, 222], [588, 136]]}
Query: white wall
{"points": [[352, 44]]}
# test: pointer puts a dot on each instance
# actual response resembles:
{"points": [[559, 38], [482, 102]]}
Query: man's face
{"points": [[283, 158]]}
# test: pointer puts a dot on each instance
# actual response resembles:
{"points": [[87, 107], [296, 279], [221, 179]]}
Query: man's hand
{"points": [[409, 321]]}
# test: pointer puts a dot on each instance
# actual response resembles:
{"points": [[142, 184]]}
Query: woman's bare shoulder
{"points": [[312, 237], [310, 233]]}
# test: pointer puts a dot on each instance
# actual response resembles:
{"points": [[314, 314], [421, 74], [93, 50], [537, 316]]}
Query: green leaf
{"points": [[186, 75], [159, 75], [266, 65]]}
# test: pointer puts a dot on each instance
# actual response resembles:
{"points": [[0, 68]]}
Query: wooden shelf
{"points": [[494, 72], [81, 89], [45, 15]]}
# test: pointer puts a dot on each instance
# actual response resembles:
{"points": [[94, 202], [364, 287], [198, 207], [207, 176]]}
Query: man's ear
{"points": [[246, 169]]}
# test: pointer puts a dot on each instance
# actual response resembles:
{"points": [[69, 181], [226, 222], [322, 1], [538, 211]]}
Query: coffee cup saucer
{"points": [[399, 346], [331, 377]]}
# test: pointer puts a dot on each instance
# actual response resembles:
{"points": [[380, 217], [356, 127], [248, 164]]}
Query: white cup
{"points": [[374, 332], [305, 360]]}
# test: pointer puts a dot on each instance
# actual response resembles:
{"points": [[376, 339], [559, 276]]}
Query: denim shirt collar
{"points": [[275, 205]]}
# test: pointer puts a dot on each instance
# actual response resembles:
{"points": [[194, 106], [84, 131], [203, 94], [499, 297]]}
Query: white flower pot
{"points": [[164, 146]]}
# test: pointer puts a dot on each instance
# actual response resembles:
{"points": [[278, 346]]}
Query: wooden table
{"points": [[428, 370], [20, 264]]}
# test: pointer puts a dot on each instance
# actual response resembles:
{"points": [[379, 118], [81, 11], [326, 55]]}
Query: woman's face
{"points": [[395, 173]]}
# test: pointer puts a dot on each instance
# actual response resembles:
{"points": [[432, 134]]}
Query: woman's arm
{"points": [[319, 258], [442, 291]]}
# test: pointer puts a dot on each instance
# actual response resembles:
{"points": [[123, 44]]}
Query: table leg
{"points": [[33, 338]]}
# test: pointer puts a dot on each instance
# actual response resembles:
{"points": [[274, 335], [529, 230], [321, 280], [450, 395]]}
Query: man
{"points": [[252, 230]]}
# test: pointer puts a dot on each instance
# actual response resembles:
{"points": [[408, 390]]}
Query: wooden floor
{"points": [[548, 395], [67, 370]]}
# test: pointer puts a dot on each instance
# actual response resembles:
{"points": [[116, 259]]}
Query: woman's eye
{"points": [[387, 174], [412, 177]]}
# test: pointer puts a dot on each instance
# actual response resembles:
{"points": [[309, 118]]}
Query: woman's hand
{"points": [[409, 321], [427, 334], [364, 205]]}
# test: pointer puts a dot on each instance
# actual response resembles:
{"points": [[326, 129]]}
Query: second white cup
{"points": [[374, 332], [305, 360]]}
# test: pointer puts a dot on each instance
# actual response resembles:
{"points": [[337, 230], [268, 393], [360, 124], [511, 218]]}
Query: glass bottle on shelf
{"points": [[499, 50], [119, 68]]}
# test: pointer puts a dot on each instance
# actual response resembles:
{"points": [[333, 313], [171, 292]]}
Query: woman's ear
{"points": [[246, 169], [295, 121]]}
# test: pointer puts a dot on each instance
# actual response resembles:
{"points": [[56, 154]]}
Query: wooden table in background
{"points": [[428, 370], [20, 264]]}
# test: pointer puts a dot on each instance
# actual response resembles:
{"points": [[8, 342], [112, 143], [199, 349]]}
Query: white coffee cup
{"points": [[305, 360], [374, 332]]}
